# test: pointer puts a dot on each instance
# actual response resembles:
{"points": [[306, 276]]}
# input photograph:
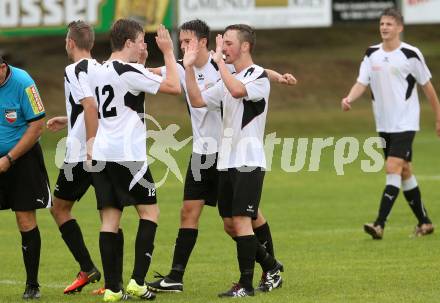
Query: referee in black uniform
{"points": [[24, 185]]}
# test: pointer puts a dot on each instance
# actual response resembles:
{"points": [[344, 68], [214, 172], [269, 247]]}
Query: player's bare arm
{"points": [[287, 79], [56, 124], [234, 86], [91, 122], [189, 58], [356, 91], [171, 84], [431, 95], [29, 138]]}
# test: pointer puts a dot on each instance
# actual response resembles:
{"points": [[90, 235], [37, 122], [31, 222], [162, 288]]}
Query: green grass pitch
{"points": [[316, 220]]}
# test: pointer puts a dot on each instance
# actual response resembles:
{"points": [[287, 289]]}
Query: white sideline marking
{"points": [[428, 178], [14, 282]]}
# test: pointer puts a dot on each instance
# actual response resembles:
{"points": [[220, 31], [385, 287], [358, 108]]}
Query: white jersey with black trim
{"points": [[392, 77], [76, 88], [244, 119], [120, 91], [206, 125]]}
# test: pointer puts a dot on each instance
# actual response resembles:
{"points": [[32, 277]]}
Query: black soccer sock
{"points": [[120, 261], [265, 238], [143, 250], [412, 194], [388, 197], [31, 247], [246, 252], [110, 250], [186, 239], [262, 257], [72, 236]]}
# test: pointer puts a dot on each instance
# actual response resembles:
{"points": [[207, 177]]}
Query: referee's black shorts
{"points": [[25, 186], [398, 145], [240, 191], [120, 184], [201, 181]]}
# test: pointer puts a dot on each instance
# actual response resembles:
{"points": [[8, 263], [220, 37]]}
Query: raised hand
{"points": [[191, 52], [218, 55], [163, 39]]}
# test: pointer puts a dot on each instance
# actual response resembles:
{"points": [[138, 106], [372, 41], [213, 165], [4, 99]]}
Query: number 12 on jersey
{"points": [[108, 93]]}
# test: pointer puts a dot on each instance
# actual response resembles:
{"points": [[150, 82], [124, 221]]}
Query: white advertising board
{"points": [[261, 14]]}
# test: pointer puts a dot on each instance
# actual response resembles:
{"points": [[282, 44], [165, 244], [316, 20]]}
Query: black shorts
{"points": [[121, 184], [398, 145], [25, 186], [240, 192], [73, 182], [201, 181]]}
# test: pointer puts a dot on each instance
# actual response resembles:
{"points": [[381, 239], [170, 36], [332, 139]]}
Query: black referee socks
{"points": [[185, 242], [143, 250], [72, 236], [31, 247]]}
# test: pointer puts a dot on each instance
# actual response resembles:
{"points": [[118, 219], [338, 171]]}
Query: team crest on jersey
{"points": [[34, 99], [11, 115]]}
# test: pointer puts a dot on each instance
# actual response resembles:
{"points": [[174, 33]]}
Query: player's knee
{"points": [[189, 214], [26, 221], [406, 171], [61, 210], [394, 166], [149, 212], [229, 229]]}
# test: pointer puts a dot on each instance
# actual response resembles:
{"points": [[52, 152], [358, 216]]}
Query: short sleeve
{"points": [[80, 88], [258, 89], [31, 103], [364, 72], [420, 70], [138, 78], [231, 68], [213, 96]]}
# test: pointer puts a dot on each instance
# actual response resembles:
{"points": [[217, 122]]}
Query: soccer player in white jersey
{"points": [[73, 179], [202, 176], [393, 69], [120, 151], [243, 97]]}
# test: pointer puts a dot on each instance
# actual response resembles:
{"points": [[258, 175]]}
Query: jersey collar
{"points": [[8, 75]]}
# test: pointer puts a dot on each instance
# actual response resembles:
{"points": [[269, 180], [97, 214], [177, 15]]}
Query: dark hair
{"points": [[245, 34], [392, 12], [199, 27], [2, 60], [82, 33], [123, 30]]}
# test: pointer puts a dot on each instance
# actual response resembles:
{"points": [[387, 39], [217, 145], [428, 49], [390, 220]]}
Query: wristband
{"points": [[10, 159]]}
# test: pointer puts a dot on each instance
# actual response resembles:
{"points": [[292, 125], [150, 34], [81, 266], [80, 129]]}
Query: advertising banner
{"points": [[261, 14], [421, 11], [50, 17], [346, 10]]}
